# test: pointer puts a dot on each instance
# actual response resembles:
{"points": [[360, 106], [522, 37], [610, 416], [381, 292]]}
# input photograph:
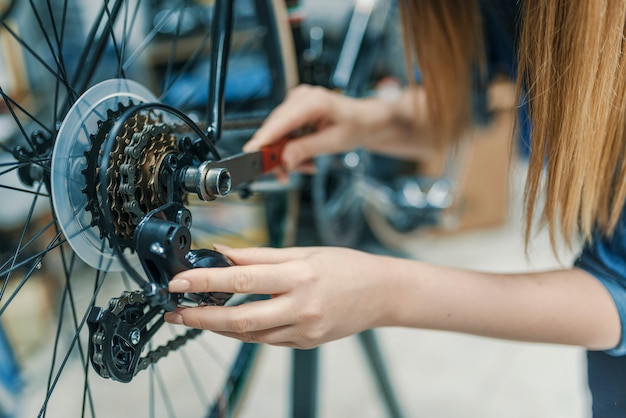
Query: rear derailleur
{"points": [[119, 333]]}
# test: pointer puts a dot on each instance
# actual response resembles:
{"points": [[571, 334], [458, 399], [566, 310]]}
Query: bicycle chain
{"points": [[129, 308], [157, 354], [134, 187]]}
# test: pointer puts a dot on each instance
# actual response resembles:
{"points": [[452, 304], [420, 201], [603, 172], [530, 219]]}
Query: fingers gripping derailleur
{"points": [[119, 333], [161, 240]]}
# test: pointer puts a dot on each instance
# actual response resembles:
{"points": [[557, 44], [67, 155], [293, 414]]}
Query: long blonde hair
{"points": [[572, 71]]}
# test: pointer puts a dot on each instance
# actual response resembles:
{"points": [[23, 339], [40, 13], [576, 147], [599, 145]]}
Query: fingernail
{"points": [[178, 285], [173, 318]]}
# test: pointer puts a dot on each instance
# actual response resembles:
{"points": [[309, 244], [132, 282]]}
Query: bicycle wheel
{"points": [[71, 72]]}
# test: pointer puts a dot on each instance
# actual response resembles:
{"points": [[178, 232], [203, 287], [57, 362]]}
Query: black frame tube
{"points": [[221, 28]]}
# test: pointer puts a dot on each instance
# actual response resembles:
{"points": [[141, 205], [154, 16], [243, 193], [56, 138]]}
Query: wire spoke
{"points": [[20, 248], [125, 33], [57, 375], [39, 233], [13, 167], [34, 54], [60, 36], [68, 269], [193, 60], [95, 44], [27, 224], [19, 189], [38, 257], [173, 48], [167, 402], [10, 104], [34, 266], [16, 165], [20, 126], [147, 40], [194, 377], [82, 354], [53, 53], [111, 31]]}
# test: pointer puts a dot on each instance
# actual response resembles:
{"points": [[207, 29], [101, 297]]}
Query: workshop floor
{"points": [[439, 374]]}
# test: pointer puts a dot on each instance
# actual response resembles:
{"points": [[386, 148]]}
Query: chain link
{"points": [[118, 307], [157, 354]]}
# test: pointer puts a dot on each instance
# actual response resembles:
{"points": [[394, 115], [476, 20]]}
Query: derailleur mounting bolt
{"points": [[183, 217], [157, 249], [135, 336]]}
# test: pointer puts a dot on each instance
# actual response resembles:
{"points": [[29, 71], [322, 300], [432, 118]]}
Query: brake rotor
{"points": [[70, 161]]}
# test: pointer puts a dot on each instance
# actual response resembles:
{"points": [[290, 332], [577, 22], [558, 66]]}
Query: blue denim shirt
{"points": [[605, 259]]}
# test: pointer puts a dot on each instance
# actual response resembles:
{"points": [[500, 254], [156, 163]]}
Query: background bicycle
{"points": [[359, 198]]}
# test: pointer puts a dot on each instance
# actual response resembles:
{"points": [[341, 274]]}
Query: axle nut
{"points": [[217, 182]]}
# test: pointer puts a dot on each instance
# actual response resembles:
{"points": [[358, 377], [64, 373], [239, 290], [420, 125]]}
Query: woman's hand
{"points": [[323, 294], [340, 124], [318, 295]]}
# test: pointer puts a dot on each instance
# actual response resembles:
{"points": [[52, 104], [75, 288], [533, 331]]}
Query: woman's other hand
{"points": [[342, 124], [317, 295]]}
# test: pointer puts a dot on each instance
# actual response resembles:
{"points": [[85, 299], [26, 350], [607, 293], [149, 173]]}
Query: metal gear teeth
{"points": [[91, 170], [132, 193]]}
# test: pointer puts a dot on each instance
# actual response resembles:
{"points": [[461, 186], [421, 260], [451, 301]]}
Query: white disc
{"points": [[69, 160]]}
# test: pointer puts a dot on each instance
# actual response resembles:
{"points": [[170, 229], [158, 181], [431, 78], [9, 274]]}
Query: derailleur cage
{"points": [[119, 333]]}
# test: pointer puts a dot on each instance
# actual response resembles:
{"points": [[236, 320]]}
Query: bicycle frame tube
{"points": [[221, 30], [220, 46]]}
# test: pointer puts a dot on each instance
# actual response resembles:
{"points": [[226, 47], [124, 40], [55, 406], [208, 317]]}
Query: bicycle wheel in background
{"points": [[338, 188], [70, 72]]}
